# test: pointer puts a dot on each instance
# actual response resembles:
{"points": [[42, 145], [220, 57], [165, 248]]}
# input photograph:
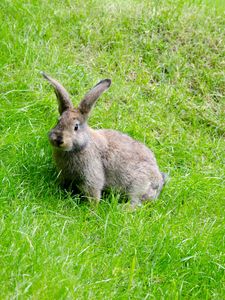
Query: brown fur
{"points": [[93, 160]]}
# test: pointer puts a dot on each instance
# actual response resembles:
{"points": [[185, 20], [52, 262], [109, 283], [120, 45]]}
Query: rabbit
{"points": [[94, 160]]}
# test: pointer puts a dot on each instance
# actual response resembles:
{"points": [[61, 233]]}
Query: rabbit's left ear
{"points": [[62, 95], [90, 98]]}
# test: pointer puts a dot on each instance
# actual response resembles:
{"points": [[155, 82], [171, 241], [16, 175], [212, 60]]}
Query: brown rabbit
{"points": [[92, 160]]}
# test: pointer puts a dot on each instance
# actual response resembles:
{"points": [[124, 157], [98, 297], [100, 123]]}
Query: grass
{"points": [[166, 61]]}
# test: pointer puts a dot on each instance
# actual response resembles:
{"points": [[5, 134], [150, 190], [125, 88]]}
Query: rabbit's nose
{"points": [[59, 140]]}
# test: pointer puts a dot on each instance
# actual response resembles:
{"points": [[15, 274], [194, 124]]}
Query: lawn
{"points": [[166, 60]]}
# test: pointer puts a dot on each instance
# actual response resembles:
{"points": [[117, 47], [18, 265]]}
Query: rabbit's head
{"points": [[71, 132]]}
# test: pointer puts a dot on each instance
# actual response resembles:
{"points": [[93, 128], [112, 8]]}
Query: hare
{"points": [[93, 160]]}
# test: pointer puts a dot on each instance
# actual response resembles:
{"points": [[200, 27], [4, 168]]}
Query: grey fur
{"points": [[93, 160]]}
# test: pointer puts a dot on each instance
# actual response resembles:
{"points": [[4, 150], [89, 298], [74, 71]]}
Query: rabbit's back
{"points": [[127, 162]]}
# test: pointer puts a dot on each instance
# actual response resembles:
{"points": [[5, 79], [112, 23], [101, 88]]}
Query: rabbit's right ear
{"points": [[61, 94], [90, 98]]}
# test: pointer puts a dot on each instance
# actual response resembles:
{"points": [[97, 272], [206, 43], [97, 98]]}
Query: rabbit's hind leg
{"points": [[152, 193], [135, 201]]}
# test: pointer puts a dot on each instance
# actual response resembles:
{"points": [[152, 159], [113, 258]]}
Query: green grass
{"points": [[166, 60]]}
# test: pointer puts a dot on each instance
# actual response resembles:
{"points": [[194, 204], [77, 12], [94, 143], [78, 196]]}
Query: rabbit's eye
{"points": [[76, 127]]}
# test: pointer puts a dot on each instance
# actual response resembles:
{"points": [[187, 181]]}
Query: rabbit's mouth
{"points": [[62, 147], [57, 141]]}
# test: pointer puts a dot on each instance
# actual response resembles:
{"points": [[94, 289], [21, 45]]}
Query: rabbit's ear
{"points": [[90, 98], [61, 94]]}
